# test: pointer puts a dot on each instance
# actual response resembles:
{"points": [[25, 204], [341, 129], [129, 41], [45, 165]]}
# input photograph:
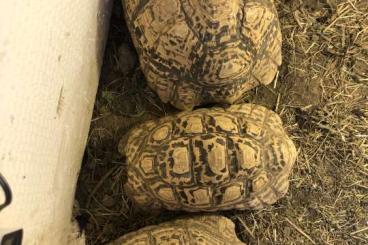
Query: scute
{"points": [[160, 134], [200, 238], [220, 67], [181, 161], [132, 145], [176, 46], [164, 87], [166, 194], [174, 164], [248, 156], [232, 193], [254, 129], [196, 196], [210, 160], [264, 70], [153, 20], [191, 124], [214, 21], [139, 239], [147, 165], [135, 187], [260, 182], [170, 236], [226, 124], [185, 95], [222, 123], [257, 20], [215, 159]]}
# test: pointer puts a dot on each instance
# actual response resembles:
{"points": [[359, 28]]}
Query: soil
{"points": [[321, 93]]}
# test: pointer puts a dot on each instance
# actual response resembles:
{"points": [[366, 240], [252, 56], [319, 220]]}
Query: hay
{"points": [[321, 92]]}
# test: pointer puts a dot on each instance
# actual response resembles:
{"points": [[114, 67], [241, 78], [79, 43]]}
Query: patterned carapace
{"points": [[194, 52], [204, 230], [209, 159]]}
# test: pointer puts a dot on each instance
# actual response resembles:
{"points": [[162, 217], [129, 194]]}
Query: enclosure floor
{"points": [[321, 93]]}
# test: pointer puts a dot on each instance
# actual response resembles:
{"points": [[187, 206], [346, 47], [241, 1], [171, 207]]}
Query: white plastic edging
{"points": [[50, 58]]}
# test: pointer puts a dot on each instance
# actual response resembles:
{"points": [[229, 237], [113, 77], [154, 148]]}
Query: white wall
{"points": [[50, 57]]}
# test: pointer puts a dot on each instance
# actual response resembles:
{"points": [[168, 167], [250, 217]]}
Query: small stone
{"points": [[127, 58], [108, 201], [287, 231]]}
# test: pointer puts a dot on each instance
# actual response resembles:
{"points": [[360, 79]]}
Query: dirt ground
{"points": [[321, 93]]}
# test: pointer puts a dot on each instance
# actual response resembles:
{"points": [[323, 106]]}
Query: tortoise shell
{"points": [[195, 52], [209, 159], [205, 230]]}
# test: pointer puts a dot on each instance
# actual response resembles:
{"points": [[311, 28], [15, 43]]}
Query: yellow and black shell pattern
{"points": [[199, 230], [194, 52], [209, 159]]}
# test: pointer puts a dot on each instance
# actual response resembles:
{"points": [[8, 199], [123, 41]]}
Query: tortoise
{"points": [[205, 230], [197, 52], [209, 159]]}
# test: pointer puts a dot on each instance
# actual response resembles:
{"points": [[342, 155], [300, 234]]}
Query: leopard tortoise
{"points": [[195, 52], [209, 159], [204, 230]]}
